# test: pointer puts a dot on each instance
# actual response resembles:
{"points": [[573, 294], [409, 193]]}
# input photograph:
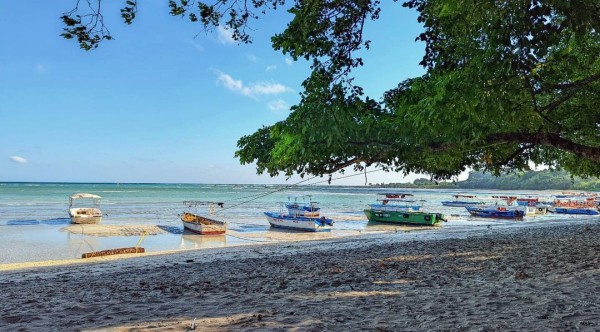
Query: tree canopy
{"points": [[508, 83]]}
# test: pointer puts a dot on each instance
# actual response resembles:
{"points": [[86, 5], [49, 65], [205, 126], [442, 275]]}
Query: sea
{"points": [[33, 216]]}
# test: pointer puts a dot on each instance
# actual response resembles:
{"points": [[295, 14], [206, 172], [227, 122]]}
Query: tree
{"points": [[508, 83]]}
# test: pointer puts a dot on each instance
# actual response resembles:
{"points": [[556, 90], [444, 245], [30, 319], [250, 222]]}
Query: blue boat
{"points": [[302, 205], [585, 211], [303, 214], [585, 205], [280, 220], [495, 212], [462, 201], [396, 202]]}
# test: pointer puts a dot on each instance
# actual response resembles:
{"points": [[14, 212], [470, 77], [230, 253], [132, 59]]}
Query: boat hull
{"points": [[305, 224], [404, 217], [588, 212], [202, 225], [495, 213], [85, 215], [460, 203], [400, 208]]}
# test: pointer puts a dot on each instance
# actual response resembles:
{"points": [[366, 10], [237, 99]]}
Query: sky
{"points": [[164, 102]]}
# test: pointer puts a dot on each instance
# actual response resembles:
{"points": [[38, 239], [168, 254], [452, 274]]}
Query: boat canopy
{"points": [[299, 196], [395, 195], [84, 195], [200, 203]]}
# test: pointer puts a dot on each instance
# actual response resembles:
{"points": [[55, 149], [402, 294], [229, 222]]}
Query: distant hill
{"points": [[532, 180]]}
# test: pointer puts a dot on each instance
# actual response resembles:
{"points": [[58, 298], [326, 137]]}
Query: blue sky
{"points": [[163, 102]]}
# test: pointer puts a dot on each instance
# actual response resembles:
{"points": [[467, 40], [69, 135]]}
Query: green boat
{"points": [[404, 217]]}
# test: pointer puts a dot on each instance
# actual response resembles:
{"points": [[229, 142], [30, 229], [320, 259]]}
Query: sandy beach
{"points": [[538, 278]]}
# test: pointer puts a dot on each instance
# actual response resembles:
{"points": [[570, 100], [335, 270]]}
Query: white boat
{"points": [[302, 206], [461, 200], [203, 225], [302, 215], [89, 214], [281, 220], [397, 202]]}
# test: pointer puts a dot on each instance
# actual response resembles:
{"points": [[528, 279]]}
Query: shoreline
{"points": [[544, 277]]}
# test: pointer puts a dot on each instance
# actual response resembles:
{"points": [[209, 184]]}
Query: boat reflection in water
{"points": [[195, 241]]}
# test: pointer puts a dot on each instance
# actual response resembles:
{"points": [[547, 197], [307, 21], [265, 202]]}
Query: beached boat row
{"points": [[301, 213], [513, 207]]}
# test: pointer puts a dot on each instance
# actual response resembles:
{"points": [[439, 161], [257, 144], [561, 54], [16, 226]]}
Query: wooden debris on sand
{"points": [[132, 250]]}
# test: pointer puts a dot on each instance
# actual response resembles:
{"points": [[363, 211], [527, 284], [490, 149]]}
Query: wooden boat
{"points": [[462, 201], [87, 214], [404, 217], [309, 224], [585, 211], [584, 205], [203, 225], [495, 212], [396, 202]]}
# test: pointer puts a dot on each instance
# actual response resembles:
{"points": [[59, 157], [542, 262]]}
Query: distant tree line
{"points": [[531, 180]]}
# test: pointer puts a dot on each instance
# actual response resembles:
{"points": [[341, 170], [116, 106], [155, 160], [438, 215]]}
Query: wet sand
{"points": [[538, 278]]}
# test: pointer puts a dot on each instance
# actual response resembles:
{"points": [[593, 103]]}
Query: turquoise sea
{"points": [[32, 215]]}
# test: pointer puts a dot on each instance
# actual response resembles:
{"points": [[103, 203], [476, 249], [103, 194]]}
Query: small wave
{"points": [[249, 228], [56, 221], [22, 222]]}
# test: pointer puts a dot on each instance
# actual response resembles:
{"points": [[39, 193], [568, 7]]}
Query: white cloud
{"points": [[271, 67], [225, 36], [278, 105], [266, 88], [252, 57], [40, 68], [253, 90], [18, 160], [196, 45], [288, 61]]}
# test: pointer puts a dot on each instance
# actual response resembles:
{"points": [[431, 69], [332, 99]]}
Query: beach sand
{"points": [[113, 230], [541, 278]]}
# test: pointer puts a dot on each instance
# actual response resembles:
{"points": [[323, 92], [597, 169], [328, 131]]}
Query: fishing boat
{"points": [[532, 205], [501, 212], [396, 202], [88, 214], [300, 217], [203, 225], [396, 208], [302, 205], [585, 206], [463, 200]]}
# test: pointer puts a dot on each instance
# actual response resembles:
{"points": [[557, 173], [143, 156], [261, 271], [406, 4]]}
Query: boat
{"points": [[86, 214], [395, 208], [532, 205], [300, 217], [404, 217], [302, 205], [461, 200], [203, 225], [396, 202], [310, 224], [495, 212], [585, 211], [585, 206]]}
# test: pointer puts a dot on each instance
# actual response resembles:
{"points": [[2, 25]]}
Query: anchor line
{"points": [[297, 184]]}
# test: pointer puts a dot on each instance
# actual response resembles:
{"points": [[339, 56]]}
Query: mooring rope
{"points": [[297, 184]]}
